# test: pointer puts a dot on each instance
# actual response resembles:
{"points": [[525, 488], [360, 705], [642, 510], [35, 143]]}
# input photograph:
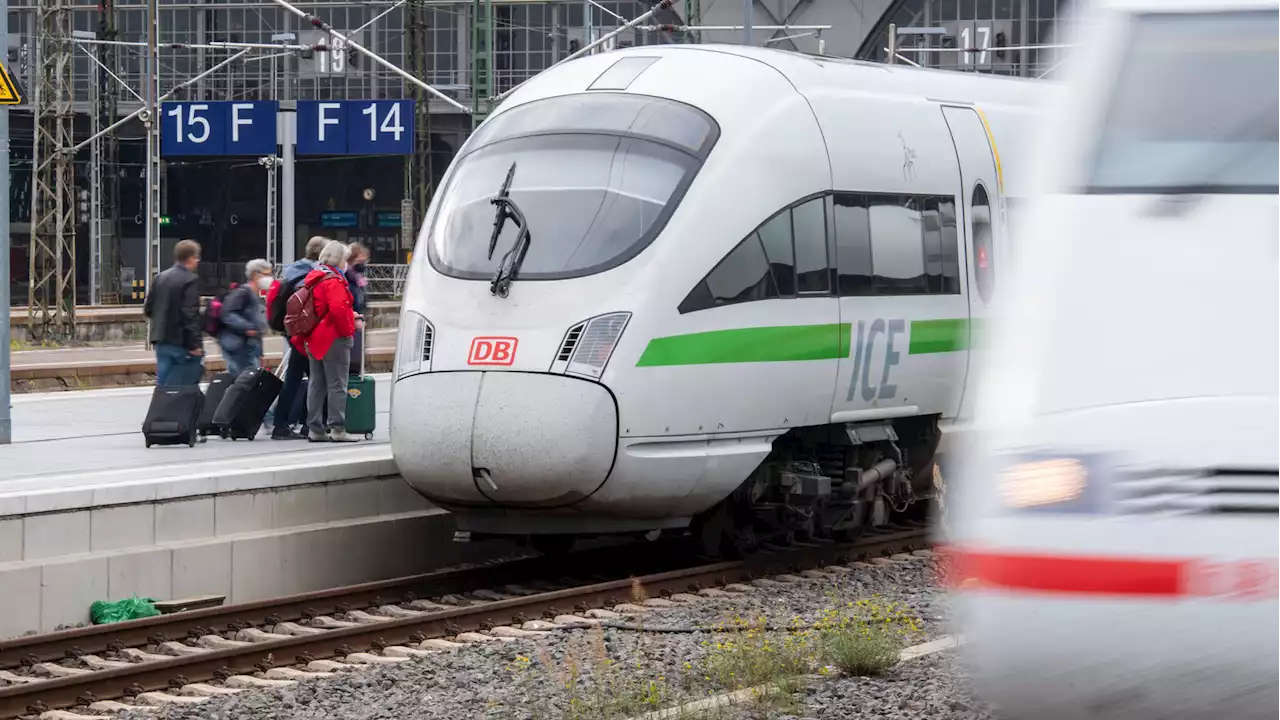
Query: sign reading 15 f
{"points": [[218, 128], [355, 127]]}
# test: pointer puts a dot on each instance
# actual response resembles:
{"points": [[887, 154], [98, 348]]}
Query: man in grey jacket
{"points": [[173, 307]]}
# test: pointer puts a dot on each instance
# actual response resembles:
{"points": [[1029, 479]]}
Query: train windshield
{"points": [[598, 176], [1194, 107]]}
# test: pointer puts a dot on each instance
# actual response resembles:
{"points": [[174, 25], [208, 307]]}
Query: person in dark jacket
{"points": [[290, 409], [359, 284], [244, 320], [173, 307]]}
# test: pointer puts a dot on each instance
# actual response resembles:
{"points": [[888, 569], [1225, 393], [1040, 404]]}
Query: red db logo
{"points": [[492, 351]]}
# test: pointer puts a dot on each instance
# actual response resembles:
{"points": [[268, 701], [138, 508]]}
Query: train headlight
{"points": [[595, 344], [1052, 484], [413, 345]]}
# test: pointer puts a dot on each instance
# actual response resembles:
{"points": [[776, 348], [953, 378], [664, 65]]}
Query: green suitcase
{"points": [[362, 406]]}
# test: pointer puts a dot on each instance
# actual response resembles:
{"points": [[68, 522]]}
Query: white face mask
{"points": [[264, 282]]}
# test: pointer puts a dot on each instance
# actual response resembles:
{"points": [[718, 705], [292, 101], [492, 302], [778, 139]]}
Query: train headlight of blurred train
{"points": [[413, 345], [589, 345], [1059, 484]]}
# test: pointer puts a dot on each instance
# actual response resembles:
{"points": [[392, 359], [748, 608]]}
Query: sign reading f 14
{"points": [[355, 127]]}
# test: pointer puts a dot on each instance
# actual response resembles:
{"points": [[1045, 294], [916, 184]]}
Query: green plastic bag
{"points": [[103, 612]]}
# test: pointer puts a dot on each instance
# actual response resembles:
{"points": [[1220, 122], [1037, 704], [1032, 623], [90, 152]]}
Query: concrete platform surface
{"points": [[137, 351], [99, 432]]}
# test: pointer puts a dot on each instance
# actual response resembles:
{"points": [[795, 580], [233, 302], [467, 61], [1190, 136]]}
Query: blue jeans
{"points": [[246, 359], [176, 366]]}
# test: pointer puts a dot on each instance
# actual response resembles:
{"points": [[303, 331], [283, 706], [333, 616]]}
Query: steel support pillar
{"points": [[51, 295]]}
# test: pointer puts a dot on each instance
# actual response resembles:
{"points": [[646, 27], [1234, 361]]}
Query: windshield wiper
{"points": [[514, 258]]}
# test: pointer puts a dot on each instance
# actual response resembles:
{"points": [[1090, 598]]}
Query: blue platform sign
{"points": [[355, 127], [218, 128]]}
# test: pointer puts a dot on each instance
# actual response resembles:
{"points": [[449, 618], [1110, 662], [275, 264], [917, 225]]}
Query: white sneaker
{"points": [[313, 436], [342, 436]]}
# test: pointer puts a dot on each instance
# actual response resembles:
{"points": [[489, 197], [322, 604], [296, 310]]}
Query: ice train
{"points": [[715, 288], [1117, 509]]}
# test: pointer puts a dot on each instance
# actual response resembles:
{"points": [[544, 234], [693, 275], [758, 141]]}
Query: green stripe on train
{"points": [[791, 343]]}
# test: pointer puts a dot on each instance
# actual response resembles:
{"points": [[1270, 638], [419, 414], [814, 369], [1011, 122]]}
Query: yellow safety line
{"points": [[994, 150]]}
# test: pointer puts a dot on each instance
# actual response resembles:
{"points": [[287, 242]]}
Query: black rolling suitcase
{"points": [[246, 402], [172, 417], [212, 398]]}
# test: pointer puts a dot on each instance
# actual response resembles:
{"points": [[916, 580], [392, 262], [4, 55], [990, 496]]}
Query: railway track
{"points": [[174, 658]]}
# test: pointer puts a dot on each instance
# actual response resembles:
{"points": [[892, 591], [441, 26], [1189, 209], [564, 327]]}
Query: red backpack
{"points": [[300, 317]]}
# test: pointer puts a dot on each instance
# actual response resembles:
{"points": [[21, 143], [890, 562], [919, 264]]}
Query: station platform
{"points": [[133, 364], [88, 513]]}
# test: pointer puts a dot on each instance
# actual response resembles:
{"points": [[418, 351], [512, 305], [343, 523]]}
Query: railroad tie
{"points": [[164, 698], [254, 635], [206, 690], [328, 666], [249, 681], [141, 656], [399, 651], [365, 618], [361, 658], [114, 706], [294, 629], [287, 673]]}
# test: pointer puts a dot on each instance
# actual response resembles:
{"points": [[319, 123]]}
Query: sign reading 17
{"points": [[355, 127]]}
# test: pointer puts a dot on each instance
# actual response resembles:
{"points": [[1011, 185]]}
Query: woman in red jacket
{"points": [[329, 346]]}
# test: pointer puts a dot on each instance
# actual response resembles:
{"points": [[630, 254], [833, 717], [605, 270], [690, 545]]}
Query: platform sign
{"points": [[191, 128], [10, 93], [355, 127]]}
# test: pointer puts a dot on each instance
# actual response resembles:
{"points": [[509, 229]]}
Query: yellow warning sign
{"points": [[10, 93]]}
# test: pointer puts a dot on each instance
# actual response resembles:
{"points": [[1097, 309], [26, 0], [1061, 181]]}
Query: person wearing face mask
{"points": [[358, 283], [244, 319]]}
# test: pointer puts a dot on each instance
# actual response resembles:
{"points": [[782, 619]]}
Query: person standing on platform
{"points": [[329, 346], [243, 319], [289, 410], [359, 284], [173, 307]]}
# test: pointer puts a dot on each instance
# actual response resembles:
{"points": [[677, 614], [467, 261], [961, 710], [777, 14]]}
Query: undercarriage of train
{"points": [[826, 484]]}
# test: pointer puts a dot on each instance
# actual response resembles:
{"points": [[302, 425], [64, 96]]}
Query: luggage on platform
{"points": [[245, 403], [212, 397], [362, 406], [173, 414]]}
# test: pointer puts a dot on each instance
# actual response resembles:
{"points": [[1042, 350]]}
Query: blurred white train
{"points": [[1116, 517], [705, 287]]}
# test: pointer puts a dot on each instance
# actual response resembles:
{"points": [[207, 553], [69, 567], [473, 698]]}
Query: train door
{"points": [[979, 193]]}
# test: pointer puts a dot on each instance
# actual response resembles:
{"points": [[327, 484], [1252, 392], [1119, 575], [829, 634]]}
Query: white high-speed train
{"points": [[1115, 519], [715, 287]]}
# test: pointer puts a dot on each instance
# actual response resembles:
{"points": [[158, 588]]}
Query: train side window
{"points": [[775, 234], [984, 259], [853, 245], [931, 225], [742, 276], [809, 222], [897, 245], [950, 246]]}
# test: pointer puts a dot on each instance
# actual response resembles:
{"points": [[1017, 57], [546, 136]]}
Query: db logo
{"points": [[492, 351]]}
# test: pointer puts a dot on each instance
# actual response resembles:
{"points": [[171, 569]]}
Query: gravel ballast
{"points": [[623, 673]]}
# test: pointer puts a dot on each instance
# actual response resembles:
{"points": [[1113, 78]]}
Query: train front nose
{"points": [[503, 438]]}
